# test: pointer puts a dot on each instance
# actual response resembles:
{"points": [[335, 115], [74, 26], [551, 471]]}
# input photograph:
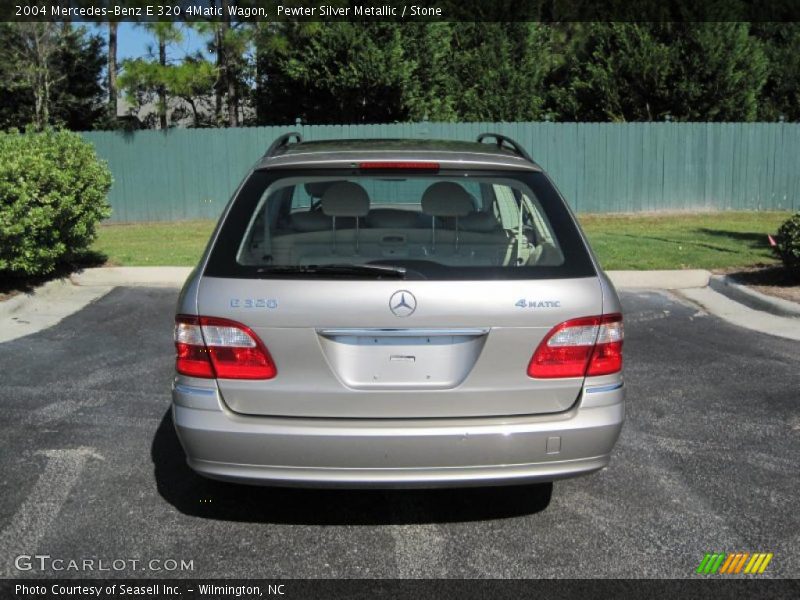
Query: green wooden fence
{"points": [[599, 167]]}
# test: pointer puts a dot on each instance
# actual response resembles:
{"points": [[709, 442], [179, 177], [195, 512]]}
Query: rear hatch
{"points": [[340, 351], [399, 290]]}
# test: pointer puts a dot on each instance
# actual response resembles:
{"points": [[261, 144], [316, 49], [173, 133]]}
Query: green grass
{"points": [[683, 241], [153, 244], [652, 241]]}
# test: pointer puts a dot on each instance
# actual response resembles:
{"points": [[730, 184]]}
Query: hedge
{"points": [[53, 192], [788, 248]]}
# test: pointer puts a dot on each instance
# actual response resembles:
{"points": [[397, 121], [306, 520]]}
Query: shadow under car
{"points": [[198, 496]]}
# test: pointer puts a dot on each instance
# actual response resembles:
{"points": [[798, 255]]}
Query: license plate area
{"points": [[402, 359]]}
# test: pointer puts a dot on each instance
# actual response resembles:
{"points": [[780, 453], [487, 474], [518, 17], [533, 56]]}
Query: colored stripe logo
{"points": [[734, 563]]}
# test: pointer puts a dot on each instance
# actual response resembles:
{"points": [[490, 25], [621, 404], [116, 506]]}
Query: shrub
{"points": [[53, 191], [788, 248]]}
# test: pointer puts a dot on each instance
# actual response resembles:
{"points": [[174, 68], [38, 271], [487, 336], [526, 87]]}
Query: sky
{"points": [[133, 41]]}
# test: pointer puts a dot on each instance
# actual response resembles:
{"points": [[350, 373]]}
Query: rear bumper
{"points": [[396, 453]]}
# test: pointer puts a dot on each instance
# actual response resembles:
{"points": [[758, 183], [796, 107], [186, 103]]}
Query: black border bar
{"points": [[269, 11], [404, 589]]}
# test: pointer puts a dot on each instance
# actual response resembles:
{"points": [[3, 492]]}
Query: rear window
{"points": [[355, 225]]}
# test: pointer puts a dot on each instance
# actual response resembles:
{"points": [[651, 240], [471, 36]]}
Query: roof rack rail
{"points": [[502, 140], [281, 142]]}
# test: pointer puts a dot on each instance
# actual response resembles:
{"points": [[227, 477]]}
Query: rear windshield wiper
{"points": [[342, 270]]}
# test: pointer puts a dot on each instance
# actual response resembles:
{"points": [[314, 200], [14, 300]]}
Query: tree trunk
{"points": [[233, 101], [218, 84], [195, 117], [227, 68], [162, 90], [37, 107], [112, 69], [220, 78], [46, 101], [256, 104], [41, 91], [39, 41]]}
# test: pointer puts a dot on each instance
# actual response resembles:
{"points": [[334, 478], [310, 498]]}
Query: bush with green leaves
{"points": [[53, 192], [788, 248]]}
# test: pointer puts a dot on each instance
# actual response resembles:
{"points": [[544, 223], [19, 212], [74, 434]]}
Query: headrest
{"points": [[345, 199], [391, 218], [479, 222], [315, 189], [310, 221], [447, 199]]}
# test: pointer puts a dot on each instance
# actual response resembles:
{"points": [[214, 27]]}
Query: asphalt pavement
{"points": [[91, 469]]}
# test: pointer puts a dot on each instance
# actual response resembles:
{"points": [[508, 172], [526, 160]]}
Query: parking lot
{"points": [[91, 468]]}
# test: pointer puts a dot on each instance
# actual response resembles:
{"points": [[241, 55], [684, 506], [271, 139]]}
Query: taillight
{"points": [[191, 352], [580, 347], [213, 347]]}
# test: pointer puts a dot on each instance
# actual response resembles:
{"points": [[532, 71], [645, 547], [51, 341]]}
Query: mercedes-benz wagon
{"points": [[397, 313]]}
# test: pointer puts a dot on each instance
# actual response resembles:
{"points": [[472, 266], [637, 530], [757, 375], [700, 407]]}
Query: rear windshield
{"points": [[355, 225]]}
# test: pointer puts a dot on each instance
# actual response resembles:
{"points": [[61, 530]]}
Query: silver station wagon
{"points": [[397, 313]]}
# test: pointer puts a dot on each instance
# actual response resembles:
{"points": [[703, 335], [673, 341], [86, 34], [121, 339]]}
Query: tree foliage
{"points": [[381, 72], [500, 70], [644, 71], [78, 100], [780, 96], [50, 74], [357, 72], [345, 72], [155, 79], [527, 71]]}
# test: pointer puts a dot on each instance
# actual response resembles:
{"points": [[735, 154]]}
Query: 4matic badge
{"points": [[523, 303]]}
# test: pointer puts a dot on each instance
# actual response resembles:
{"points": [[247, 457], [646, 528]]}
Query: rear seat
{"points": [[303, 222], [478, 239], [392, 218], [396, 218], [320, 219], [479, 222]]}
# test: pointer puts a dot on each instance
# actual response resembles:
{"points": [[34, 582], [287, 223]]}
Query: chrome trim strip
{"points": [[390, 332], [604, 388], [189, 389]]}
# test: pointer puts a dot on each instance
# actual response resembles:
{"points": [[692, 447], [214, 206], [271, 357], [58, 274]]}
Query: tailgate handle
{"points": [[402, 358]]}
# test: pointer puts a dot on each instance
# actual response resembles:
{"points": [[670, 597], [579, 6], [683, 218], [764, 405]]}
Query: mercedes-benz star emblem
{"points": [[402, 303]]}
